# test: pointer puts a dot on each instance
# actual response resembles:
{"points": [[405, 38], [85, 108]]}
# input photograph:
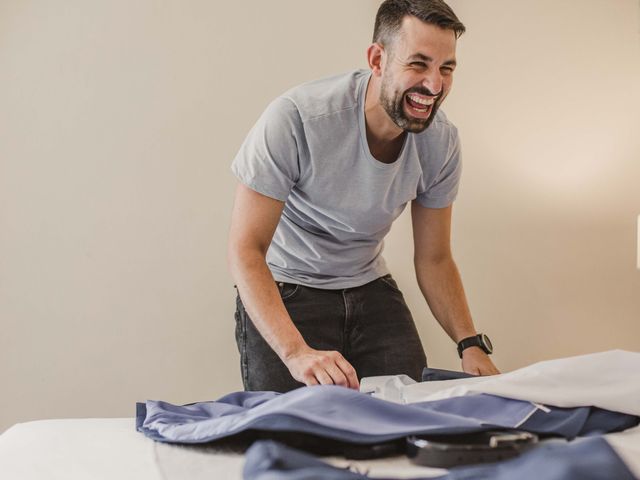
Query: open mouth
{"points": [[419, 105]]}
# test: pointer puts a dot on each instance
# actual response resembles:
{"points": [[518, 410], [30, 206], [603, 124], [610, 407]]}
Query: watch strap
{"points": [[474, 341]]}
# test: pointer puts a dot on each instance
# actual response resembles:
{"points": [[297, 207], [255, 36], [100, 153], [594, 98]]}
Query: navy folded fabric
{"points": [[341, 414], [587, 459], [437, 374], [578, 422]]}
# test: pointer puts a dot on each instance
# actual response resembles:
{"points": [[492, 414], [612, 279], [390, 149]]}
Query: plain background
{"points": [[118, 123]]}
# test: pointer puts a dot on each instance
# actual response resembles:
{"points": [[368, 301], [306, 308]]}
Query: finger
{"points": [[336, 375], [472, 371], [349, 372], [489, 370], [309, 380], [323, 377]]}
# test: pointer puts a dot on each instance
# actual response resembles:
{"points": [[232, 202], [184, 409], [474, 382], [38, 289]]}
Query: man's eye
{"points": [[447, 70], [418, 64]]}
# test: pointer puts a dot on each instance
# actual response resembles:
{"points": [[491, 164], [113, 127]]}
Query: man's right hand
{"points": [[321, 367]]}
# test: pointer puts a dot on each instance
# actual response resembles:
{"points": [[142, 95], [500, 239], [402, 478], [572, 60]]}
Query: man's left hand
{"points": [[476, 362]]}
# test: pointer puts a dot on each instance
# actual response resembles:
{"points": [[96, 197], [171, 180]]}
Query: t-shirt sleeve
{"points": [[442, 188], [267, 161]]}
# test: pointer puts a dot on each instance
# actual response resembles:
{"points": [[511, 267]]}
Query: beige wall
{"points": [[118, 123], [547, 100]]}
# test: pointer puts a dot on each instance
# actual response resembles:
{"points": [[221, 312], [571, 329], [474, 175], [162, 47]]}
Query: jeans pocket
{"points": [[390, 282], [288, 290]]}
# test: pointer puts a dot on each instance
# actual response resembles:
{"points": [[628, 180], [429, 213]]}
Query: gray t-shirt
{"points": [[309, 149]]}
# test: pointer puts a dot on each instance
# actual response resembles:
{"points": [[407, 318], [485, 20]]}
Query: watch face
{"points": [[487, 343]]}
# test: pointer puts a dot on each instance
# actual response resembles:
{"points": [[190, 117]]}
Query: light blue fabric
{"points": [[338, 413], [328, 411], [309, 149], [590, 459]]}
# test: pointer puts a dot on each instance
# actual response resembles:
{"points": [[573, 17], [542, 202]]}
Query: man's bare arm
{"points": [[440, 282], [253, 223]]}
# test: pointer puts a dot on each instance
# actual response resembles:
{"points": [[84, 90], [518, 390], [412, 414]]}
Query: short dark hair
{"points": [[391, 12]]}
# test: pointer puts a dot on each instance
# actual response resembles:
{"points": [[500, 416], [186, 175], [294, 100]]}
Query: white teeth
{"points": [[421, 101]]}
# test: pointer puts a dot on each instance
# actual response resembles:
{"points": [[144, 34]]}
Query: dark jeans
{"points": [[369, 325]]}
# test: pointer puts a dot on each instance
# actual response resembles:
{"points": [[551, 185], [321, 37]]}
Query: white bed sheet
{"points": [[101, 449], [112, 449]]}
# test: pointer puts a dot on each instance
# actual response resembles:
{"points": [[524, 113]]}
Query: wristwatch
{"points": [[480, 340]]}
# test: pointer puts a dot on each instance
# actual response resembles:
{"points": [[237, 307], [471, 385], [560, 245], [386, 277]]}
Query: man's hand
{"points": [[313, 367], [476, 362]]}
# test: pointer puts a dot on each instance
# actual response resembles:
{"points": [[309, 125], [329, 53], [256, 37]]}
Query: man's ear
{"points": [[375, 53]]}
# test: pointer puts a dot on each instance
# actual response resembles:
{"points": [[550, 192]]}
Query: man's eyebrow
{"points": [[426, 58]]}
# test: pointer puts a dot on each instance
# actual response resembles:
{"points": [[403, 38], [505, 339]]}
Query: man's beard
{"points": [[394, 106]]}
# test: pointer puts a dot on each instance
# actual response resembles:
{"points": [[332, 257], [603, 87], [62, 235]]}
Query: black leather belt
{"points": [[446, 451]]}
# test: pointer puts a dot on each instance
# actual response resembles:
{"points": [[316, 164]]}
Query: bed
{"points": [[111, 448]]}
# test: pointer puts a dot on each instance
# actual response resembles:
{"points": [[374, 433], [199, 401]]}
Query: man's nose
{"points": [[433, 82]]}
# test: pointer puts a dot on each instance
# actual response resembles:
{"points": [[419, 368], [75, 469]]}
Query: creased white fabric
{"points": [[609, 380]]}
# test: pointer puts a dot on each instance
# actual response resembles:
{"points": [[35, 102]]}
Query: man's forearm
{"points": [[254, 220], [442, 288], [263, 303]]}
